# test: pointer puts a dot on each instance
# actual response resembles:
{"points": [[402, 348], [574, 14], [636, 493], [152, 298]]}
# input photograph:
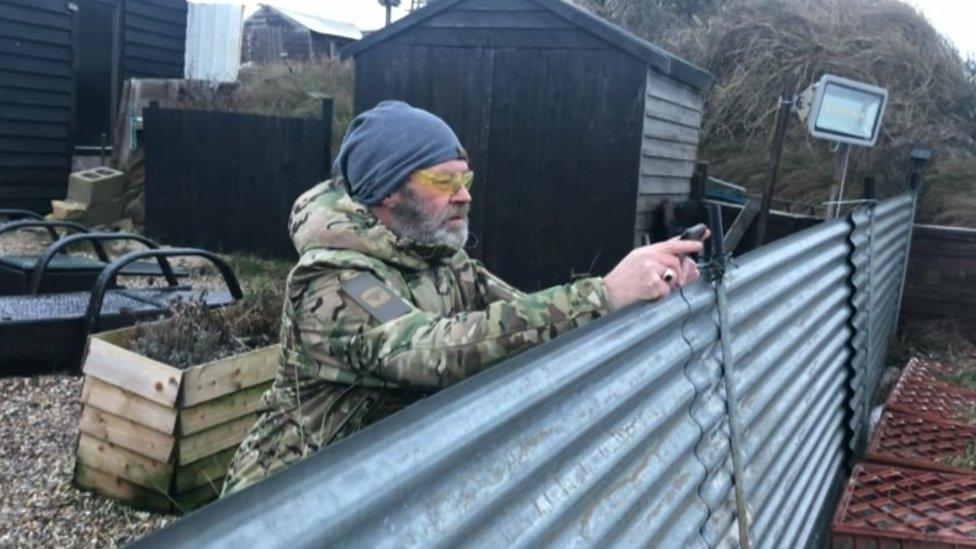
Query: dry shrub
{"points": [[195, 334], [750, 44]]}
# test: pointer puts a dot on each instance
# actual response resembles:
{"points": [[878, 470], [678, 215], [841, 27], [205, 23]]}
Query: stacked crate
{"points": [[915, 491], [161, 438]]}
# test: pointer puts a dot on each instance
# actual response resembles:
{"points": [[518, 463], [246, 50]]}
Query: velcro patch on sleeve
{"points": [[376, 298]]}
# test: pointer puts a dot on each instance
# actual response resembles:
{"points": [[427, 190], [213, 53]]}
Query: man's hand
{"points": [[641, 276]]}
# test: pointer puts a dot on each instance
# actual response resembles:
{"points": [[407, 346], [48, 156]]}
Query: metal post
{"points": [[842, 158], [920, 157], [776, 153], [389, 10], [718, 259]]}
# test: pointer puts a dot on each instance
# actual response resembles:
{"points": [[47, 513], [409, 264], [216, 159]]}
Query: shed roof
{"points": [[652, 55], [319, 25]]}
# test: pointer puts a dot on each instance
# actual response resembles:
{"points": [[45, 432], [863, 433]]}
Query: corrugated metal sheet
{"points": [[584, 442], [36, 98], [213, 42], [790, 323], [647, 428]]}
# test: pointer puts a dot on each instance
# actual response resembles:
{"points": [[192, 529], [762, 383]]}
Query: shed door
{"points": [[96, 46]]}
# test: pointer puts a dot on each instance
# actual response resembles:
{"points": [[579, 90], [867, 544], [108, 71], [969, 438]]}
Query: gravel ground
{"points": [[39, 507]]}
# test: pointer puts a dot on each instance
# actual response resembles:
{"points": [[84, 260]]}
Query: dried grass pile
{"points": [[195, 334], [289, 89], [750, 44]]}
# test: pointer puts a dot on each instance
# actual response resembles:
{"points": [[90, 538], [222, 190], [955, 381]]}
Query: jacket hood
{"points": [[326, 218]]}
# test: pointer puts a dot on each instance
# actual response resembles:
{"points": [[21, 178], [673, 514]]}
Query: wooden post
{"points": [[327, 117], [776, 153], [699, 181]]}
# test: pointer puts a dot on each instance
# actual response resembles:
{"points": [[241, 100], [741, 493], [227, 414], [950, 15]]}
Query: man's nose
{"points": [[462, 195]]}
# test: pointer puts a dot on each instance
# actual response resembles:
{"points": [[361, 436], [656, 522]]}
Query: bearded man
{"points": [[384, 306]]}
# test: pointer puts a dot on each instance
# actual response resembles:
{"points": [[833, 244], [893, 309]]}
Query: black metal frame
{"points": [[35, 343]]}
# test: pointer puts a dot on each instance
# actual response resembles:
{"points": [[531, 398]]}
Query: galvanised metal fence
{"points": [[725, 416]]}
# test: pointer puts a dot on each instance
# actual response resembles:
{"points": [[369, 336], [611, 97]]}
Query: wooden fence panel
{"points": [[227, 181], [941, 274]]}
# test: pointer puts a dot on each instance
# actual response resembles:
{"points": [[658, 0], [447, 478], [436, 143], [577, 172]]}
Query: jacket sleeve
{"points": [[424, 350]]}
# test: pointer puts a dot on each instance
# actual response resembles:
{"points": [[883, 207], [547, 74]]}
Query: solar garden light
{"points": [[846, 112]]}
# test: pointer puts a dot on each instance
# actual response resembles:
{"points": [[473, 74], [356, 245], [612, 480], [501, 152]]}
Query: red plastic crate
{"points": [[922, 371], [929, 400], [906, 439], [897, 507]]}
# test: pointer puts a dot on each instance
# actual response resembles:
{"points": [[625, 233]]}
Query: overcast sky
{"points": [[954, 18]]}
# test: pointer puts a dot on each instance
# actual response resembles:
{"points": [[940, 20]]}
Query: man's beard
{"points": [[415, 223]]}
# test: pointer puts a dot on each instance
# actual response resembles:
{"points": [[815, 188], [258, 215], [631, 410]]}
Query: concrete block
{"points": [[95, 186]]}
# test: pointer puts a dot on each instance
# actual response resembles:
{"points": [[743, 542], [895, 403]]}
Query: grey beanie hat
{"points": [[387, 143]]}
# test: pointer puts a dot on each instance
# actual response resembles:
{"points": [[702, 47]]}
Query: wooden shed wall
{"points": [[36, 88], [270, 38], [153, 38], [672, 122], [551, 117]]}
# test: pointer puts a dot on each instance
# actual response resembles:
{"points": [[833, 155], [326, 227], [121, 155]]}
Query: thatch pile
{"points": [[749, 44]]}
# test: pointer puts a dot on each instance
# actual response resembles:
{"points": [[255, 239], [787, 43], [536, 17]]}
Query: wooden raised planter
{"points": [[160, 438]]}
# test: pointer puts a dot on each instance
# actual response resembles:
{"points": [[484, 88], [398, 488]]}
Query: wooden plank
{"points": [[216, 379], [204, 471], [127, 434], [664, 87], [166, 42], [652, 166], [35, 17], [150, 11], [215, 439], [32, 160], [656, 108], [45, 193], [35, 82], [655, 128], [657, 185], [125, 464], [221, 410], [38, 98], [12, 29], [114, 487], [40, 50], [115, 400], [56, 131], [132, 372], [669, 149], [34, 114]]}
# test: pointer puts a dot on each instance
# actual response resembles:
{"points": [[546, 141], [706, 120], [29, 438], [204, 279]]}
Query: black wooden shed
{"points": [[576, 128], [62, 64]]}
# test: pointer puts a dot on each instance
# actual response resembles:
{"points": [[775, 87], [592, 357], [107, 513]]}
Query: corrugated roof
{"points": [[652, 55], [320, 25]]}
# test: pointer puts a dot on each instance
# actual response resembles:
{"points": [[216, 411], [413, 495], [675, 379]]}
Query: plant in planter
{"points": [[166, 403]]}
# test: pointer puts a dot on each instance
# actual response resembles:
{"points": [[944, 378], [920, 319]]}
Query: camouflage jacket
{"points": [[341, 369]]}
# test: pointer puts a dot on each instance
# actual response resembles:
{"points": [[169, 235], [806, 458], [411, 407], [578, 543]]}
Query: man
{"points": [[384, 306]]}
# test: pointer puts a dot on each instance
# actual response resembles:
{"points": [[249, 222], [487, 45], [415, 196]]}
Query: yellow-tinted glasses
{"points": [[445, 182]]}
